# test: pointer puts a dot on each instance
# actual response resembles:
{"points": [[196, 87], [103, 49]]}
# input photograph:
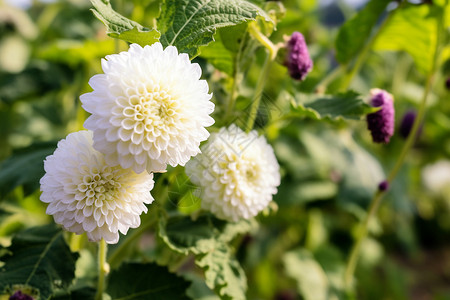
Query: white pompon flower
{"points": [[87, 195], [238, 173], [149, 108]]}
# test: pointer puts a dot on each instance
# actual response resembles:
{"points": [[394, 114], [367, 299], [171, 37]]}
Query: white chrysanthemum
{"points": [[149, 109], [238, 173], [87, 195]]}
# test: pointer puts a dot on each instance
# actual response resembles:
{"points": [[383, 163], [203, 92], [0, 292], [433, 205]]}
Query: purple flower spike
{"points": [[447, 83], [407, 123], [381, 123], [20, 296], [298, 61]]}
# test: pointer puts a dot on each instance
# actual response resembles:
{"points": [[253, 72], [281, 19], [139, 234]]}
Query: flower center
{"points": [[98, 186]]}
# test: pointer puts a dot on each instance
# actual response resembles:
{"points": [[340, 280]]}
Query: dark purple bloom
{"points": [[383, 186], [447, 83], [20, 296], [381, 123], [298, 61], [407, 123]]}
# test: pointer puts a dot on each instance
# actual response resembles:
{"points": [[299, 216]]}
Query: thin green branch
{"points": [[375, 203]]}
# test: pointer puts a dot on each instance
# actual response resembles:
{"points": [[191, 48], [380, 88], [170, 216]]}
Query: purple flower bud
{"points": [[383, 186], [447, 83], [297, 60], [20, 296], [407, 123], [381, 123]]}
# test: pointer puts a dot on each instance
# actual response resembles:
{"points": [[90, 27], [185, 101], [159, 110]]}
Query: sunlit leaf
{"points": [[412, 29], [38, 258], [223, 273], [145, 281], [188, 24], [355, 32], [117, 26], [312, 281]]}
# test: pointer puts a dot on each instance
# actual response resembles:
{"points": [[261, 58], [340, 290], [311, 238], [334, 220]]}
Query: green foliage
{"points": [[311, 280], [223, 273], [188, 24], [412, 29], [208, 239], [184, 235], [12, 170], [38, 258], [340, 106], [353, 35], [145, 281], [117, 26]]}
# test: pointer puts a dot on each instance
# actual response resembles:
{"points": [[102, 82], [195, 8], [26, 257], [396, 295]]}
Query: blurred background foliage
{"points": [[330, 170]]}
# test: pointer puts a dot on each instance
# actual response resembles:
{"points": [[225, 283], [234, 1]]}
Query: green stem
{"points": [[117, 256], [102, 269], [365, 51], [258, 93], [254, 31], [321, 87], [375, 203]]}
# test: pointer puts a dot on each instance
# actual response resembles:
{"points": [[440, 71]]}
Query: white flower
{"points": [[149, 109], [87, 195], [238, 173]]}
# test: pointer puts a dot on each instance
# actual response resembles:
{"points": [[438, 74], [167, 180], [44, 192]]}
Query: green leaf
{"points": [[334, 107], [189, 24], [184, 235], [145, 281], [312, 281], [117, 26], [223, 273], [30, 159], [38, 258], [412, 29], [353, 35]]}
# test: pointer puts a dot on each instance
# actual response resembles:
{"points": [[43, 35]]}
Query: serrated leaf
{"points": [[147, 281], [312, 282], [223, 273], [39, 258], [30, 159], [189, 24], [340, 106], [184, 235], [117, 26], [412, 29], [353, 35]]}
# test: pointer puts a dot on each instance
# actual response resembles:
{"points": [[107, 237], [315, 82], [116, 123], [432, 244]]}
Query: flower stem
{"points": [[254, 31], [365, 51], [117, 256], [102, 269], [321, 87], [376, 200], [258, 93]]}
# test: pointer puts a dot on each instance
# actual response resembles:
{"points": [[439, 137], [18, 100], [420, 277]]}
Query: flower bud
{"points": [[20, 296], [381, 122], [297, 58], [383, 186], [407, 123]]}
